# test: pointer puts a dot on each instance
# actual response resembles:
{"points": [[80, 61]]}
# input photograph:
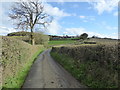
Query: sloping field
{"points": [[94, 65], [17, 57], [40, 38]]}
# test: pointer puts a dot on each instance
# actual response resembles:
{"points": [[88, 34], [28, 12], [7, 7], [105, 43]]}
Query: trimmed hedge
{"points": [[104, 54], [101, 63], [17, 57]]}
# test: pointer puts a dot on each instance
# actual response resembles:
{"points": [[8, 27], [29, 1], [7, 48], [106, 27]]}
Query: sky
{"points": [[98, 18]]}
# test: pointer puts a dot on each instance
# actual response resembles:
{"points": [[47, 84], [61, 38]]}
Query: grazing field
{"points": [[61, 42], [95, 66], [74, 41], [17, 58]]}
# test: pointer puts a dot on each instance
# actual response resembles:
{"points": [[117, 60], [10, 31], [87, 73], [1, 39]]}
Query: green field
{"points": [[61, 42]]}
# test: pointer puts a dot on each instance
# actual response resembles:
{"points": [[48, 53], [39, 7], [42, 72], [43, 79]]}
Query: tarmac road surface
{"points": [[47, 73]]}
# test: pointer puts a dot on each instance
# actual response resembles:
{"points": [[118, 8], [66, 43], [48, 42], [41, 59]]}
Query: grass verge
{"points": [[19, 78], [90, 73]]}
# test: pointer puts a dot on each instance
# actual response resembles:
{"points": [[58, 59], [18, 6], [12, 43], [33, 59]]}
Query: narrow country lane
{"points": [[46, 73]]}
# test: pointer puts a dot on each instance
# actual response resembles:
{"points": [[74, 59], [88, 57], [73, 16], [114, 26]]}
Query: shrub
{"points": [[84, 36], [41, 38]]}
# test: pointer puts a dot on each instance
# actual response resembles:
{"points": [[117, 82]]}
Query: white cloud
{"points": [[111, 28], [105, 5], [107, 27], [82, 17], [5, 30], [115, 13], [79, 31], [115, 33], [75, 31], [55, 11], [54, 28], [87, 18], [1, 14]]}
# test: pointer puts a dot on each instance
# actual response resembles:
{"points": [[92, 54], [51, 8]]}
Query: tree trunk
{"points": [[32, 38]]}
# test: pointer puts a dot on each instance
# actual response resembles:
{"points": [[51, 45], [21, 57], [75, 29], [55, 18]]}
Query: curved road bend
{"points": [[46, 73]]}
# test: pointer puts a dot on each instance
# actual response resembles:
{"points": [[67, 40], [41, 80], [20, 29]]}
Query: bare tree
{"points": [[29, 15]]}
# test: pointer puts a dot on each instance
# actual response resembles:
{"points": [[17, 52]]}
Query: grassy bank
{"points": [[17, 58], [95, 66]]}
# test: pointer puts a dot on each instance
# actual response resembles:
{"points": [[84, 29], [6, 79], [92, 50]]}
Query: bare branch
{"points": [[29, 14]]}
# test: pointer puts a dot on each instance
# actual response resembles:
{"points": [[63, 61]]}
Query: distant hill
{"points": [[40, 38], [21, 33]]}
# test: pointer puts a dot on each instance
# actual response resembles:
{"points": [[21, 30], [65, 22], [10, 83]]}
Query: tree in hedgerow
{"points": [[29, 16], [84, 36]]}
